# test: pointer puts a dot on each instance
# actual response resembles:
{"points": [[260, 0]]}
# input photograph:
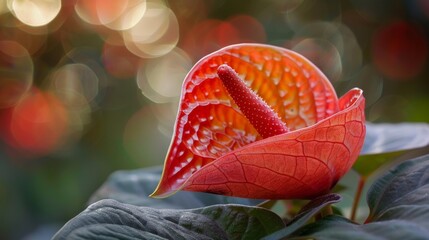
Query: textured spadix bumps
{"points": [[266, 122], [215, 147]]}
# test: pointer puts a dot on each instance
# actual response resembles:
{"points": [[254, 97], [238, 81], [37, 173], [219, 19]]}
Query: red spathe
{"points": [[215, 148]]}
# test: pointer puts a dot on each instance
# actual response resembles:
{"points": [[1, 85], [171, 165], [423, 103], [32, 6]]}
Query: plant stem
{"points": [[327, 210], [361, 184], [268, 204]]}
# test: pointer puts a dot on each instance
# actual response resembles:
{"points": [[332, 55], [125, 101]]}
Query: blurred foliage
{"points": [[88, 87]]}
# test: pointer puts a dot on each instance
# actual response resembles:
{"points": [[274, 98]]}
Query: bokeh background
{"points": [[88, 87]]}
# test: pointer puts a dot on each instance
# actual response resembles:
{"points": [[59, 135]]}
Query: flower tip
{"points": [[356, 89], [223, 67], [158, 195], [155, 195], [224, 72], [162, 192]]}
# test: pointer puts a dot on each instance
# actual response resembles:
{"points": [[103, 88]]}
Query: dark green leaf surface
{"points": [[406, 184], [306, 213], [399, 205], [335, 227], [365, 165], [134, 187], [386, 137], [384, 143], [109, 219]]}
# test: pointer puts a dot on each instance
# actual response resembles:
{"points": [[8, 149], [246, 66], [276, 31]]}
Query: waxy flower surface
{"points": [[259, 121]]}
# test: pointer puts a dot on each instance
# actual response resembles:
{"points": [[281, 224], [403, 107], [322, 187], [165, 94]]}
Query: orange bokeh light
{"points": [[400, 50], [100, 11], [37, 125], [211, 34]]}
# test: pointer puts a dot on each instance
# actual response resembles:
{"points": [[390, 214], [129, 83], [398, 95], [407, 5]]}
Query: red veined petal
{"points": [[297, 165], [209, 124]]}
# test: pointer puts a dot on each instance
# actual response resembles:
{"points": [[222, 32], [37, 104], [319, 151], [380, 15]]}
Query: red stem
{"points": [[356, 200]]}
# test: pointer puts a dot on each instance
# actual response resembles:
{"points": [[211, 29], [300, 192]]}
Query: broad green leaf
{"points": [[387, 137], [406, 184], [399, 205], [417, 214], [367, 164], [336, 227], [306, 213], [109, 219], [242, 222], [386, 142], [134, 187]]}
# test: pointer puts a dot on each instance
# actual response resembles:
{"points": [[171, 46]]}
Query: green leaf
{"points": [[387, 137], [365, 165], [336, 227], [306, 213], [399, 208], [406, 184], [243, 222], [416, 214], [384, 143], [109, 219], [134, 187]]}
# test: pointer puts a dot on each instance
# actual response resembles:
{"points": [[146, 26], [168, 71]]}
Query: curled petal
{"points": [[301, 164]]}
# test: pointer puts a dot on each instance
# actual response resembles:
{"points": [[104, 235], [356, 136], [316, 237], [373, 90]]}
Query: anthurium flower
{"points": [[259, 121]]}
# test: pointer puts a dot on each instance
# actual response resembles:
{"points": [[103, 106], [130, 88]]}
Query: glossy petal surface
{"points": [[209, 124]]}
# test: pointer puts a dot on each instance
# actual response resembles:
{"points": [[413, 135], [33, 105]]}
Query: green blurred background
{"points": [[92, 86]]}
